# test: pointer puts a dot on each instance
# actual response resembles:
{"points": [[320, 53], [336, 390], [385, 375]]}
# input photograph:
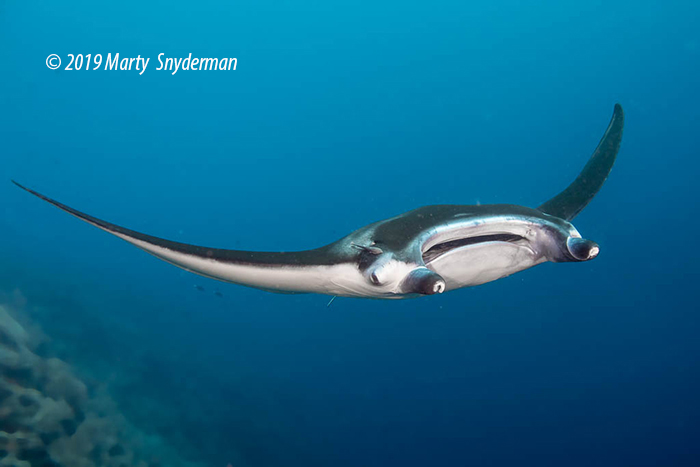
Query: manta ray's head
{"points": [[565, 244], [389, 275]]}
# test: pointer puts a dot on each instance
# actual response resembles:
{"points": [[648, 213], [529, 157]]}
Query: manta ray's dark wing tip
{"points": [[18, 184], [35, 193], [108, 226], [51, 201], [38, 195], [570, 202]]}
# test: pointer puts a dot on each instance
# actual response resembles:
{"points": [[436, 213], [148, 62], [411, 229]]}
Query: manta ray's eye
{"points": [[373, 277]]}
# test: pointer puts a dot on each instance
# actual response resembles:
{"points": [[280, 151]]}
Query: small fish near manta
{"points": [[429, 250]]}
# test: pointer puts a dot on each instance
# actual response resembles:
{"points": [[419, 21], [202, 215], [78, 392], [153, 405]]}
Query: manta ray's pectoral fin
{"points": [[567, 204], [281, 272]]}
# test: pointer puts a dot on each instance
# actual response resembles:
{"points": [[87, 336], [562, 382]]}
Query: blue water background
{"points": [[341, 114]]}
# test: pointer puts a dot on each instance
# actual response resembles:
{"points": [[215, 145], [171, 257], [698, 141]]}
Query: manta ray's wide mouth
{"points": [[440, 249]]}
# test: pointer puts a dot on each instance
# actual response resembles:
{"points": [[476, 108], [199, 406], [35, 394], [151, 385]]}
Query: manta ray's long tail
{"points": [[567, 204]]}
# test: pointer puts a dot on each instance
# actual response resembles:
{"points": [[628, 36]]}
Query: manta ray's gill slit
{"points": [[441, 248]]}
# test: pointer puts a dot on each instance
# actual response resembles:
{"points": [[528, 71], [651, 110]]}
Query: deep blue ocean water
{"points": [[340, 114]]}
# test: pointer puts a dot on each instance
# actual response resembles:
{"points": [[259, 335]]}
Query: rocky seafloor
{"points": [[51, 417]]}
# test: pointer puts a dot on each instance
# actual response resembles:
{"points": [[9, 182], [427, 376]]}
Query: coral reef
{"points": [[48, 417]]}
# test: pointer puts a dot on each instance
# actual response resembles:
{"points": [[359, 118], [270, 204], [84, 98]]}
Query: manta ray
{"points": [[427, 251]]}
